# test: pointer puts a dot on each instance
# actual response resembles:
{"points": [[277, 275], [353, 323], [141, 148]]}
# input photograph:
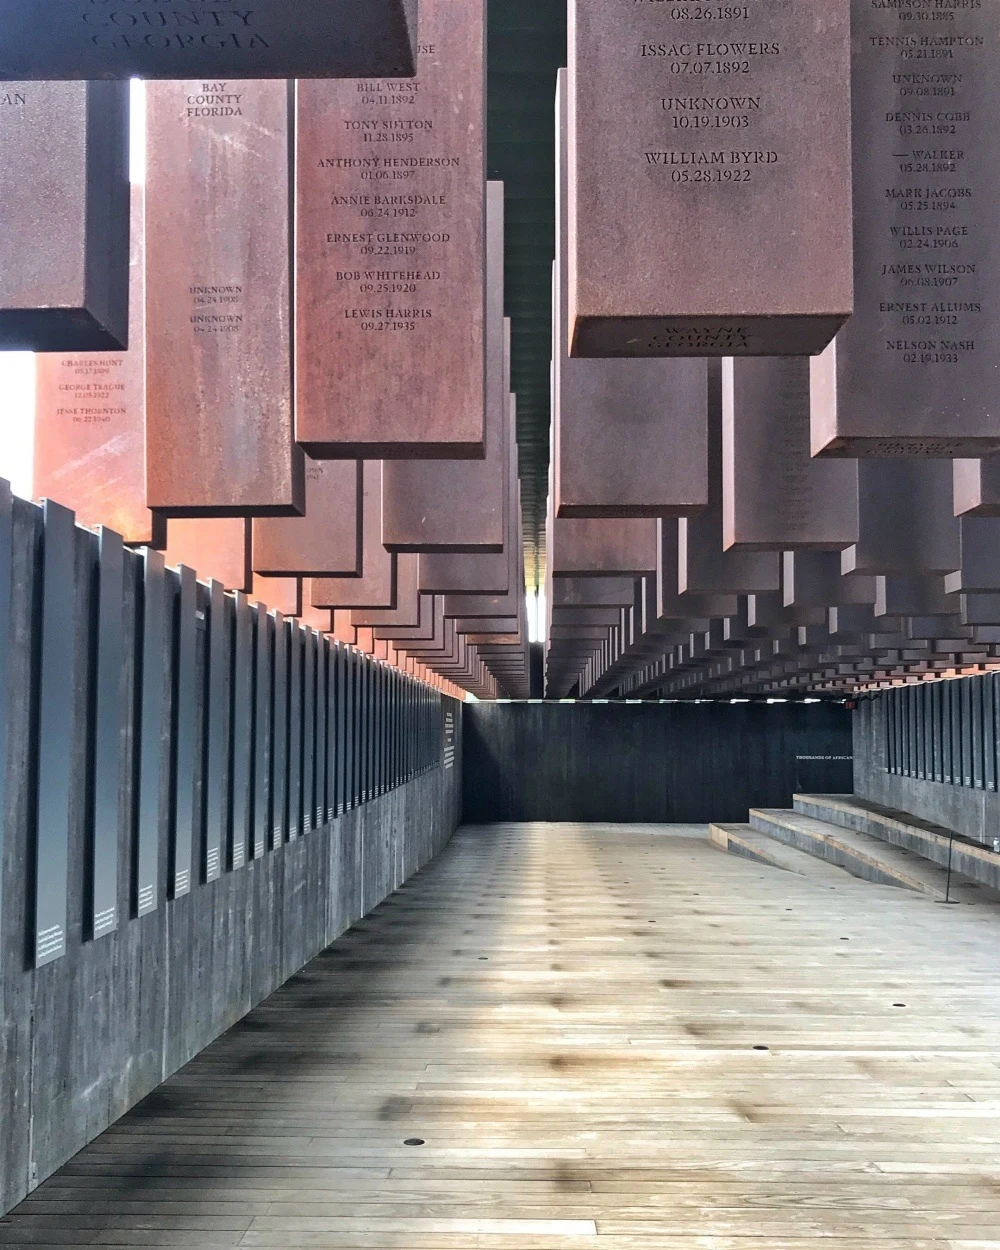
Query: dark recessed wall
{"points": [[651, 762]]}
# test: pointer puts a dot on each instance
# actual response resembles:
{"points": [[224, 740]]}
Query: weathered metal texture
{"points": [[628, 436], [407, 609], [186, 696], [907, 595], [459, 505], [913, 372], [601, 548], [812, 579], [52, 743], [978, 569], [217, 548], [327, 540], [219, 436], [483, 572], [217, 729], [6, 650], [64, 248], [90, 422], [376, 587], [101, 911], [280, 594], [390, 263], [660, 267], [112, 1018], [977, 487], [403, 635], [263, 644], [153, 726], [592, 591], [775, 496], [316, 39], [906, 518], [241, 750], [703, 565]]}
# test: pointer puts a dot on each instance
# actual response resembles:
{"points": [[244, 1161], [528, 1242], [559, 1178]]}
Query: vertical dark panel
{"points": [[6, 557], [215, 770], [332, 697], [965, 686], [263, 643], [889, 708], [368, 723], [151, 728], [377, 727], [322, 714], [937, 760], [355, 728], [977, 715], [54, 742], [308, 729], [925, 730], [185, 731], [241, 736], [109, 722], [340, 726], [294, 731], [947, 732], [990, 731], [279, 739]]}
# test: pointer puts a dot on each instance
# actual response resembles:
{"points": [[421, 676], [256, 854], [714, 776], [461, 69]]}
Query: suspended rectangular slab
{"points": [[188, 39], [90, 435], [617, 592], [407, 609], [64, 245], [913, 372], [775, 496], [327, 540], [977, 487], [599, 548], [459, 505], [812, 579], [687, 137], [376, 587], [629, 436], [217, 548], [278, 594], [390, 264], [979, 556], [218, 312], [704, 566], [906, 521]]}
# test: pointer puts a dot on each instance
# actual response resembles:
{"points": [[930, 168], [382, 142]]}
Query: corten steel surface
{"points": [[977, 487], [673, 603], [326, 541], [907, 522], [703, 566], [390, 263], [710, 175], [617, 592], [599, 548], [407, 609], [459, 505], [279, 594], [775, 496], [483, 572], [221, 39], [218, 315], [90, 435], [217, 548], [811, 579], [64, 245], [403, 635], [629, 437], [914, 371], [376, 587]]}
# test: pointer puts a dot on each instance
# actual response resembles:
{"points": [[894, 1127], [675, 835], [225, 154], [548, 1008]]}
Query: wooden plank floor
{"points": [[605, 1036]]}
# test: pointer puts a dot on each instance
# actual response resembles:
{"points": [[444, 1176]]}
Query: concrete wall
{"points": [[649, 762], [971, 810], [85, 1037]]}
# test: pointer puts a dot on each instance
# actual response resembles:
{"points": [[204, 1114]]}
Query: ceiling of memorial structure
{"points": [[526, 46]]}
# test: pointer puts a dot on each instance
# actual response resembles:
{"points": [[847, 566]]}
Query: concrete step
{"points": [[746, 842], [970, 859], [866, 857]]}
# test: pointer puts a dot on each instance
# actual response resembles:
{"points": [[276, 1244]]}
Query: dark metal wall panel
{"points": [[322, 715], [153, 724], [184, 806], [53, 743], [655, 762], [937, 727], [108, 735], [340, 732], [263, 641], [6, 643], [308, 730], [990, 731], [965, 711], [241, 738], [295, 713], [978, 712], [216, 754], [279, 740]]}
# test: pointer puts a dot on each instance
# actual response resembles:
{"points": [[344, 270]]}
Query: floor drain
{"points": [[484, 956], [762, 1048], [414, 1141], [899, 1004]]}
